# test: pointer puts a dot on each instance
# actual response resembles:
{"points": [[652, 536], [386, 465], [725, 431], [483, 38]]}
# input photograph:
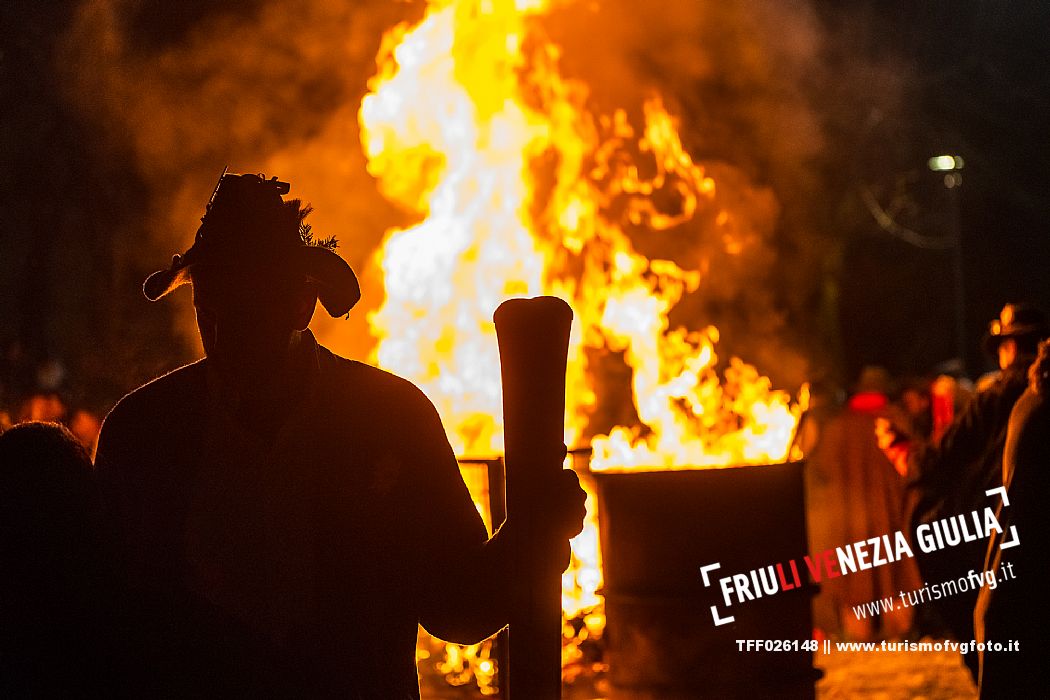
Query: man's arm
{"points": [[470, 583], [462, 577]]}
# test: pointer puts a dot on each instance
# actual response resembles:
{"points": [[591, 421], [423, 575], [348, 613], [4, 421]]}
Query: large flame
{"points": [[522, 190]]}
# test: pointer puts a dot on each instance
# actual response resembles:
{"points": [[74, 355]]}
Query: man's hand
{"points": [[570, 509], [562, 518], [554, 522], [568, 505]]}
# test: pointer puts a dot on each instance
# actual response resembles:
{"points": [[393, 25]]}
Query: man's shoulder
{"points": [[167, 395], [363, 383], [994, 402]]}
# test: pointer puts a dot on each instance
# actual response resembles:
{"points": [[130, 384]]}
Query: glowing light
{"points": [[945, 163]]}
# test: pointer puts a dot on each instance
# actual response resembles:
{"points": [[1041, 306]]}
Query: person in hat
{"points": [[312, 501], [951, 476]]}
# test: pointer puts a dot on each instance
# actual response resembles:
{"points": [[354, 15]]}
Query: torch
{"points": [[533, 336]]}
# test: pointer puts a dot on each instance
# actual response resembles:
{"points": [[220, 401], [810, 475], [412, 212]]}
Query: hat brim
{"points": [[338, 287], [164, 282], [993, 340]]}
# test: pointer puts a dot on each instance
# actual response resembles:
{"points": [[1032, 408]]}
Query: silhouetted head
{"points": [[248, 321], [1016, 333], [916, 395], [49, 504], [873, 380], [257, 272], [55, 583]]}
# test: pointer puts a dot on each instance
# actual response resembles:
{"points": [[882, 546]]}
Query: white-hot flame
{"points": [[522, 190]]}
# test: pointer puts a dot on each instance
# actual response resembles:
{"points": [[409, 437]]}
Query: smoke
{"points": [[276, 87], [273, 87], [777, 100], [737, 74]]}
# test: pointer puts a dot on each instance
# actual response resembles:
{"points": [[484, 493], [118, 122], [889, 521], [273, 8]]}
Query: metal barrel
{"points": [[657, 529]]}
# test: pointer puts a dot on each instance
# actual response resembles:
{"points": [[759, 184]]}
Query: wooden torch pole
{"points": [[533, 337]]}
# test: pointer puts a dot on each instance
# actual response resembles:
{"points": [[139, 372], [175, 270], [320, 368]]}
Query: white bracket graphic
{"points": [[1001, 492], [1014, 541], [720, 620], [1014, 538], [704, 570]]}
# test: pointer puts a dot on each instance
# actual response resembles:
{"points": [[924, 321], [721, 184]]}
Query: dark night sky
{"points": [[981, 88], [977, 83]]}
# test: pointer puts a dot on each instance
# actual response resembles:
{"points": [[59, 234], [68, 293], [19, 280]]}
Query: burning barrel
{"points": [[657, 529]]}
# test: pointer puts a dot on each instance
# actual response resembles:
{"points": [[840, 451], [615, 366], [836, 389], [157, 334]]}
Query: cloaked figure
{"points": [[312, 501], [861, 497], [57, 599]]}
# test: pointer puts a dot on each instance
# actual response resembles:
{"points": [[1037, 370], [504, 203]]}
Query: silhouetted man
{"points": [[312, 501]]}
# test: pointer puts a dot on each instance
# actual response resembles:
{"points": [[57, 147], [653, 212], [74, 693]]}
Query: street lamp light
{"points": [[943, 163], [950, 165]]}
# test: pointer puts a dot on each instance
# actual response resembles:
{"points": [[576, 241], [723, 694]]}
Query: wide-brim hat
{"points": [[1016, 321], [248, 225]]}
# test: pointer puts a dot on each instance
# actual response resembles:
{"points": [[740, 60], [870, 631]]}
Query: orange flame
{"points": [[522, 190]]}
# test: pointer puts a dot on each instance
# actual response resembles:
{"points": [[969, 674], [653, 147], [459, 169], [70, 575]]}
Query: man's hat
{"points": [[1016, 321], [247, 224]]}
